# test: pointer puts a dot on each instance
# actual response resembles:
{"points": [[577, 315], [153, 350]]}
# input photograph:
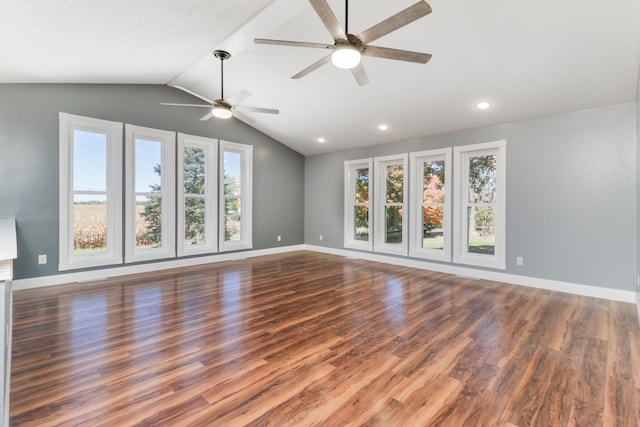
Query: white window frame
{"points": [[461, 254], [168, 182], [350, 168], [246, 197], [417, 160], [210, 148], [113, 130], [379, 173]]}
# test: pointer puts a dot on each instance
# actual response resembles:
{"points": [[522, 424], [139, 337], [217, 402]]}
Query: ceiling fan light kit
{"points": [[346, 56], [221, 112]]}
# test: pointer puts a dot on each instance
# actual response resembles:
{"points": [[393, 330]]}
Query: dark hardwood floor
{"points": [[312, 339]]}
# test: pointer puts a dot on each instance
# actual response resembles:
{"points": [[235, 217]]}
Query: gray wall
{"points": [[29, 160], [571, 193]]}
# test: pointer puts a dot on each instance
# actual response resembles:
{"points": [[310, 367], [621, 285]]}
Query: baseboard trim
{"points": [[106, 273], [533, 282]]}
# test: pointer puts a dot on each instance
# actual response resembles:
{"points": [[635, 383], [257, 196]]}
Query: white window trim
{"points": [[350, 167], [168, 246], [379, 174], [246, 197], [113, 130], [460, 253], [417, 160], [210, 148]]}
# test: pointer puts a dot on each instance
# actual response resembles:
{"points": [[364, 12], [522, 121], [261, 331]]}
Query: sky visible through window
{"points": [[90, 163], [148, 155], [232, 164]]}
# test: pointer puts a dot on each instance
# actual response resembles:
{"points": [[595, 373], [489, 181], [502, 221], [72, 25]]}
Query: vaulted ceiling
{"points": [[526, 58]]}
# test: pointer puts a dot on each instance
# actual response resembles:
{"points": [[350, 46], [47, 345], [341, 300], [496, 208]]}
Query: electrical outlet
{"points": [[42, 259], [519, 260], [321, 237], [279, 238]]}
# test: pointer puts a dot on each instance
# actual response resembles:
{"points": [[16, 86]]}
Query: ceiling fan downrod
{"points": [[222, 55], [346, 18]]}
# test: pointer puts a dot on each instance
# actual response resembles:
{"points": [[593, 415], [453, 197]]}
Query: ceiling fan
{"points": [[348, 48], [224, 108]]}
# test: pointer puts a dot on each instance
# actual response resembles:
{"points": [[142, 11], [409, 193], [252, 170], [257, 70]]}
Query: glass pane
{"points": [[148, 222], [194, 169], [432, 232], [394, 183], [362, 185], [482, 179], [362, 223], [89, 224], [481, 220], [148, 161], [232, 173], [194, 208], [393, 224], [89, 161], [232, 220], [433, 182]]}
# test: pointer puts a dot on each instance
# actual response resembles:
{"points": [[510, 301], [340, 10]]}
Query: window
{"points": [[150, 194], [390, 230], [235, 196], [431, 207], [357, 205], [90, 192], [197, 188], [479, 235]]}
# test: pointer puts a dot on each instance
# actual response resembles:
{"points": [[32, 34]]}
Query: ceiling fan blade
{"points": [[397, 54], [312, 67], [207, 116], [360, 74], [396, 21], [328, 18], [238, 97], [257, 109], [243, 117], [185, 105], [294, 43], [190, 92]]}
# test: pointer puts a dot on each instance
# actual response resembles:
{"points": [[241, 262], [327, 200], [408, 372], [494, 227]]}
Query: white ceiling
{"points": [[527, 58]]}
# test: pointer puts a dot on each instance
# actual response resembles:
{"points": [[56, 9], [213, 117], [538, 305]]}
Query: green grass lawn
{"points": [[479, 245]]}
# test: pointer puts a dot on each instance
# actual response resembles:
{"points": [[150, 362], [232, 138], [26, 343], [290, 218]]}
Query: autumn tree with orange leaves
{"points": [[433, 192]]}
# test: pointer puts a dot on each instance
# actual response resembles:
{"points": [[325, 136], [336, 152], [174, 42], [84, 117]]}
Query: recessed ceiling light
{"points": [[383, 127], [322, 140], [483, 105]]}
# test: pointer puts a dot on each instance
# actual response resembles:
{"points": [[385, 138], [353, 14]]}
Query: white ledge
{"points": [[8, 248]]}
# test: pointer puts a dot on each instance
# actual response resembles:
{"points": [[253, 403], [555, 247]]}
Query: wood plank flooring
{"points": [[305, 339]]}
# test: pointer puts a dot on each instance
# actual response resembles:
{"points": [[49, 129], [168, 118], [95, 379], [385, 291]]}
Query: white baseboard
{"points": [[552, 285], [105, 273], [533, 282]]}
